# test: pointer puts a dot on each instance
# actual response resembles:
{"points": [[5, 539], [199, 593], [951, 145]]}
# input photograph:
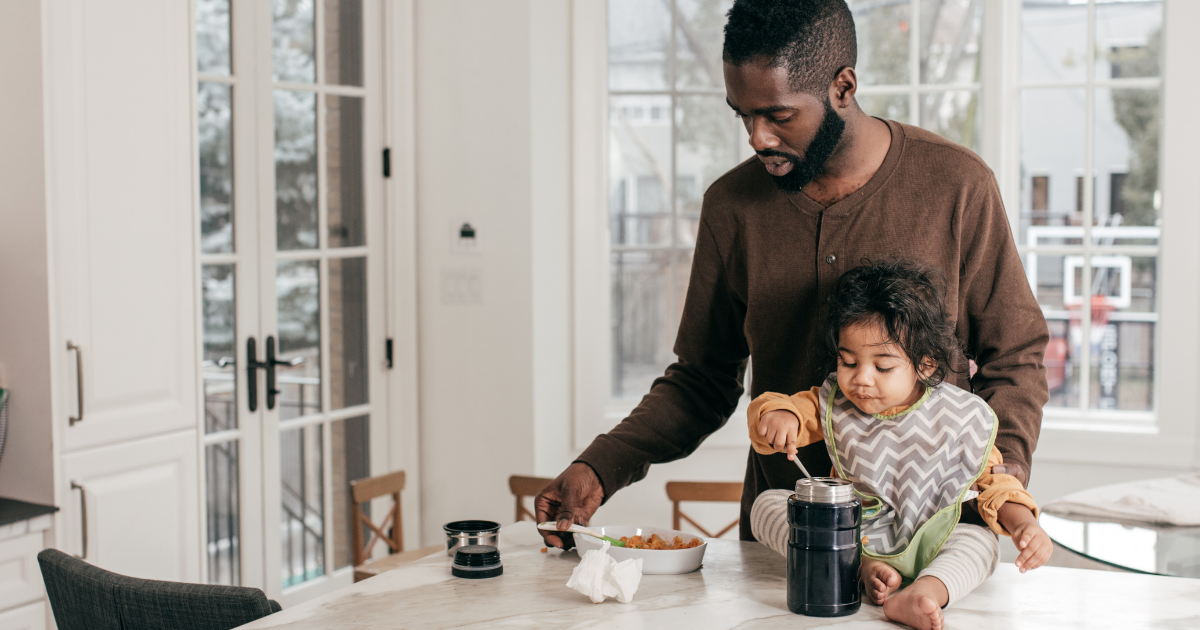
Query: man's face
{"points": [[793, 133]]}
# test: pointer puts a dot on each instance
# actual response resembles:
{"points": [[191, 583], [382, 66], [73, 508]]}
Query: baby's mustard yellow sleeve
{"points": [[997, 489], [802, 405]]}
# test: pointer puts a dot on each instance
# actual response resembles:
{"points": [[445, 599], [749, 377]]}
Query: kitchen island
{"points": [[741, 585]]}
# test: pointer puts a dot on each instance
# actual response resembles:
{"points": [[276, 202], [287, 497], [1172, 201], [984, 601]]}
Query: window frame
{"points": [[1171, 441]]}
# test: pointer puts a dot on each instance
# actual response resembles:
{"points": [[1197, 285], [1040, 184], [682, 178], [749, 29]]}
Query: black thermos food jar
{"points": [[823, 549]]}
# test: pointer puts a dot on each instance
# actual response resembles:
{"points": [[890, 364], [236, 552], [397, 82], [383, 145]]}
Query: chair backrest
{"points": [[721, 491], [83, 596], [526, 487], [361, 492]]}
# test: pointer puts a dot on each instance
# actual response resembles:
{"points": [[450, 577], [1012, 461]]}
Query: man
{"points": [[830, 188]]}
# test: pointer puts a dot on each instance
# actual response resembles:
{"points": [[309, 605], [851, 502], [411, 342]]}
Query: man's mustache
{"points": [[774, 153]]}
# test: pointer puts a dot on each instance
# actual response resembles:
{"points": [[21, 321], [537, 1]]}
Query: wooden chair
{"points": [[723, 491], [362, 491], [526, 487]]}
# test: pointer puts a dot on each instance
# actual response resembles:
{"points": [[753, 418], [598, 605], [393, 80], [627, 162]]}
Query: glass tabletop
{"points": [[1142, 547]]}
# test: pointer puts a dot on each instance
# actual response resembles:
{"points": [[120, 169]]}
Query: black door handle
{"points": [[252, 366], [270, 364]]}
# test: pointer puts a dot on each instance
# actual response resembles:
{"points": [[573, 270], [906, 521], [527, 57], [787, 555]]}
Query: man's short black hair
{"points": [[815, 39]]}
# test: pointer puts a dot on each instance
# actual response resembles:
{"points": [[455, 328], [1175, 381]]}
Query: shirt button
{"points": [[830, 258]]}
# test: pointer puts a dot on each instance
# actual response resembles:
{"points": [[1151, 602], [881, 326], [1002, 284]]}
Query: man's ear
{"points": [[843, 88]]}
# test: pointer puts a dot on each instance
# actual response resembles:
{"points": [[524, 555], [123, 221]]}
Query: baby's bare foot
{"points": [[879, 580], [918, 605]]}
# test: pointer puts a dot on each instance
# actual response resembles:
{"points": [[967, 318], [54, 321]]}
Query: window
{"points": [[671, 134], [1092, 256], [920, 62]]}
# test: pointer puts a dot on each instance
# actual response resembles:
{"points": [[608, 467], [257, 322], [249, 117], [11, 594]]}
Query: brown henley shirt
{"points": [[764, 265]]}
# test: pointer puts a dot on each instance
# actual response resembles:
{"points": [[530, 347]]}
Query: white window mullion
{"points": [[914, 64], [1089, 199]]}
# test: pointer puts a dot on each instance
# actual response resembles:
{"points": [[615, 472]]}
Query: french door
{"points": [[292, 285]]}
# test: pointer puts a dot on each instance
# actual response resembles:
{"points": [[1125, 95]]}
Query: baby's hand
{"points": [[1034, 544], [779, 428]]}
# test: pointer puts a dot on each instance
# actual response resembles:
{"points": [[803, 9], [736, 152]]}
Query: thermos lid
{"points": [[477, 561], [824, 490]]}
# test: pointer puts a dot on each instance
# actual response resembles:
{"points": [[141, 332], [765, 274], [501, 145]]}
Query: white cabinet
{"points": [[20, 577], [119, 121], [141, 507], [121, 242], [30, 617]]}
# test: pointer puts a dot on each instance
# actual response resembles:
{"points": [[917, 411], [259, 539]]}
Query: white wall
{"points": [[26, 468], [473, 163]]}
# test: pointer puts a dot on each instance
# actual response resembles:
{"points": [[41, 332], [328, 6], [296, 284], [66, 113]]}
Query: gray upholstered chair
{"points": [[87, 597]]}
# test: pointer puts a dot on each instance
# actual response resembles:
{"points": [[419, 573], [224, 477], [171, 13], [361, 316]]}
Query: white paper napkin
{"points": [[599, 576]]}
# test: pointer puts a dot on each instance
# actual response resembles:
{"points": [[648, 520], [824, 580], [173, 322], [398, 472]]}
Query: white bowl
{"points": [[654, 561]]}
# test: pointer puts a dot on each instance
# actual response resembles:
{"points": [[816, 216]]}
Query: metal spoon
{"points": [[579, 529], [805, 471]]}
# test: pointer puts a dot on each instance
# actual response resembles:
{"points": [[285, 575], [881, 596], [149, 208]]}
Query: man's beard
{"points": [[806, 169]]}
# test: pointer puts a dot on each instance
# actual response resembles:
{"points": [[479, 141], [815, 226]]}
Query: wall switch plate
{"points": [[462, 286], [465, 237]]}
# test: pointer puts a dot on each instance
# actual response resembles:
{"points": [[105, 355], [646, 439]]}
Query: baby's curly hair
{"points": [[907, 300]]}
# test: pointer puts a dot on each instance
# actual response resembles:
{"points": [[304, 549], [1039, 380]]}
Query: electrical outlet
{"points": [[462, 286]]}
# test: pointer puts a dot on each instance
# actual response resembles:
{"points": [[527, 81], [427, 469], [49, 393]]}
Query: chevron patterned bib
{"points": [[909, 467]]}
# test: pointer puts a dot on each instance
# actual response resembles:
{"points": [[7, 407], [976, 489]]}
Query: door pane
{"points": [[219, 338], [348, 332], [344, 170], [1123, 303], [343, 42], [293, 28], [889, 106], [950, 32], [1053, 41], [215, 135], [212, 36], [1062, 368], [1128, 39], [954, 115], [644, 322], [224, 519], [298, 290], [698, 41], [708, 141], [1052, 147], [350, 444], [295, 170], [883, 30], [302, 516], [639, 37], [1127, 133], [1123, 366], [640, 170]]}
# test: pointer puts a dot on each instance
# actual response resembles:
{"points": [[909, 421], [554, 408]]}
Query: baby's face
{"points": [[873, 371]]}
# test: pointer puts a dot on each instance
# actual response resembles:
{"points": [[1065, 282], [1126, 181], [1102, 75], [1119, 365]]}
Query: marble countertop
{"points": [[741, 585]]}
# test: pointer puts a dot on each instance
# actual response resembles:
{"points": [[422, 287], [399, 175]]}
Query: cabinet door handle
{"points": [[83, 519], [78, 379]]}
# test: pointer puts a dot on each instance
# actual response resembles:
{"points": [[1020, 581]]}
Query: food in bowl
{"points": [[654, 542], [654, 561]]}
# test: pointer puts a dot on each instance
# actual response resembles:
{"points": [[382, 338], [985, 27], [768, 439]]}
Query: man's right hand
{"points": [[571, 498]]}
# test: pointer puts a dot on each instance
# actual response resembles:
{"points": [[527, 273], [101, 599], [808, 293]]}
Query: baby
{"points": [[915, 448]]}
